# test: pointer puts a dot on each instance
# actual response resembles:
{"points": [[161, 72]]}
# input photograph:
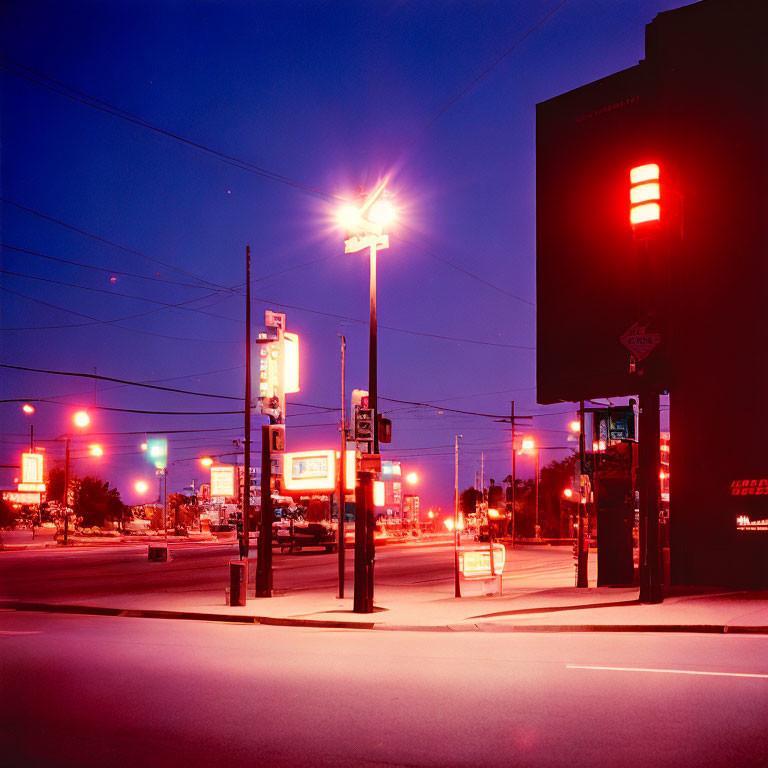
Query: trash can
{"points": [[158, 553], [238, 581]]}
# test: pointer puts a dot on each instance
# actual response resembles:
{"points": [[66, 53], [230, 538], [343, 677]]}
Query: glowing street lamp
{"points": [[81, 419], [206, 461], [28, 409], [575, 426], [141, 486], [95, 450], [412, 478], [365, 229]]}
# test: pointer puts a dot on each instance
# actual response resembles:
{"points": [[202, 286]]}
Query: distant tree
{"points": [[470, 498], [8, 515], [95, 502], [56, 484]]}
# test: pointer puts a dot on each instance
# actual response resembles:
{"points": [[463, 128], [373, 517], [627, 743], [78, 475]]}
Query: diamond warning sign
{"points": [[639, 342]]}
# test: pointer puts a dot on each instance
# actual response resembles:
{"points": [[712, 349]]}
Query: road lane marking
{"points": [[668, 671]]}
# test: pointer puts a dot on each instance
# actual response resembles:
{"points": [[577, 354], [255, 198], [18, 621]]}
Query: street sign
{"points": [[639, 342]]}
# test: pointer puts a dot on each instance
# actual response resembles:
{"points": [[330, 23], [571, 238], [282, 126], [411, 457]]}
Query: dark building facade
{"points": [[698, 106]]}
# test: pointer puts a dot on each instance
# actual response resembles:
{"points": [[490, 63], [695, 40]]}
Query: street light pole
{"points": [[373, 403], [514, 468], [341, 536]]}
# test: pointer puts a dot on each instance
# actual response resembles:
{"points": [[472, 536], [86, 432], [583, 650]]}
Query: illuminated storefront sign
{"points": [[33, 487], [750, 487], [32, 467], [21, 497], [222, 480], [316, 471]]}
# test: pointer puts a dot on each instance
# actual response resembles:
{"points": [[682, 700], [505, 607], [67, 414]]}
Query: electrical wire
{"points": [[118, 112], [127, 382]]}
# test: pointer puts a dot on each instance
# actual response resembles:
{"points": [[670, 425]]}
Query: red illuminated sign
{"points": [[750, 487]]}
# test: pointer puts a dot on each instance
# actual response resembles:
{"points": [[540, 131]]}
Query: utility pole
{"points": [[341, 537], [514, 467], [482, 473], [244, 541], [582, 547], [456, 585]]}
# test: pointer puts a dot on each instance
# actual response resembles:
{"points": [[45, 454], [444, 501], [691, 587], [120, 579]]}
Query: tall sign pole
{"points": [[456, 584], [341, 537], [264, 561]]}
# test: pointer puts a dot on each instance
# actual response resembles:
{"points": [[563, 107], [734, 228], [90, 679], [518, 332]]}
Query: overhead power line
{"points": [[110, 109], [99, 377], [464, 271], [487, 70]]}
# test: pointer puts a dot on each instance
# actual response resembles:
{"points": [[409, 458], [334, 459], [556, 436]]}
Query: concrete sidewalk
{"points": [[432, 607]]}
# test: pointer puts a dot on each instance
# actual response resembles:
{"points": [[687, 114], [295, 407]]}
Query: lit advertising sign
{"points": [[316, 471], [21, 497], [309, 471], [477, 563], [222, 480], [31, 467], [34, 487]]}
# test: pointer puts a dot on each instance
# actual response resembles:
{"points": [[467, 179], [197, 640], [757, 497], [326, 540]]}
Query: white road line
{"points": [[668, 671]]}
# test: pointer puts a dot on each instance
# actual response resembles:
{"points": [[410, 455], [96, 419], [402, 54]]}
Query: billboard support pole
{"points": [[264, 561]]}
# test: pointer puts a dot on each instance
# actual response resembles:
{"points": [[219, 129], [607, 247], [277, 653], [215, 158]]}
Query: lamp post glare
{"points": [[95, 450], [412, 478], [81, 419], [28, 409], [206, 461], [364, 228], [141, 486]]}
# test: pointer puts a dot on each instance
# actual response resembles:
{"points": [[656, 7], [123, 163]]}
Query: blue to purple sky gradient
{"points": [[330, 96]]}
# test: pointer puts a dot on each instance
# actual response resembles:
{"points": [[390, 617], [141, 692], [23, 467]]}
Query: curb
{"points": [[87, 610]]}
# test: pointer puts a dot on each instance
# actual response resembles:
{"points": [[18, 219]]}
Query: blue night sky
{"points": [[328, 96]]}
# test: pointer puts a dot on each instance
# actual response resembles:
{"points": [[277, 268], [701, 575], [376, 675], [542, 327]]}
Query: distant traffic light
{"points": [[363, 424], [644, 199]]}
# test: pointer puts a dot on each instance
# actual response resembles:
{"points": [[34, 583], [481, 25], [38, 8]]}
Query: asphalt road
{"points": [[78, 573], [93, 691]]}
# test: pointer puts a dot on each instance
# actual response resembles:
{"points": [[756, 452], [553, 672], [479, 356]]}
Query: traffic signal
{"points": [[364, 424], [276, 439], [644, 200], [385, 429]]}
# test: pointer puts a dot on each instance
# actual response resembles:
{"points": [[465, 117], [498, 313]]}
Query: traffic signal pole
{"points": [[582, 543], [649, 466], [364, 524]]}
